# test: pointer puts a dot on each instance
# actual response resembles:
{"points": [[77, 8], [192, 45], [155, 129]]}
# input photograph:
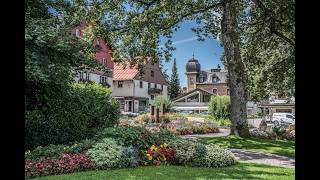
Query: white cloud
{"points": [[183, 41]]}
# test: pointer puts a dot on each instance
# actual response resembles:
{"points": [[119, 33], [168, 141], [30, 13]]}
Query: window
{"points": [[149, 85], [81, 75], [103, 79], [290, 116], [141, 84], [152, 73], [214, 91], [161, 86], [120, 84], [215, 79], [152, 97], [155, 85], [104, 61], [228, 91], [87, 76], [77, 32]]}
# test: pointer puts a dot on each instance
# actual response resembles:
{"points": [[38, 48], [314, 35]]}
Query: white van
{"points": [[278, 118]]}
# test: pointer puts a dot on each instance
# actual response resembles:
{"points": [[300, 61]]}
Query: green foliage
{"points": [[75, 116], [135, 136], [109, 154], [56, 151], [174, 88], [53, 151], [219, 107], [214, 156], [193, 153], [184, 151], [164, 136], [158, 100], [268, 47]]}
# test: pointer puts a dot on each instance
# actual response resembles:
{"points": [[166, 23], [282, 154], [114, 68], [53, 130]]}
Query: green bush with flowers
{"points": [[121, 147], [159, 154]]}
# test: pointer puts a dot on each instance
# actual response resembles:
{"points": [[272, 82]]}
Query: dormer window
{"points": [[152, 73], [215, 79], [214, 91], [77, 32]]}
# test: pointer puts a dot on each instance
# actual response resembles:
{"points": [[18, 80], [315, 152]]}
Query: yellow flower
{"points": [[155, 149], [149, 157], [165, 144]]}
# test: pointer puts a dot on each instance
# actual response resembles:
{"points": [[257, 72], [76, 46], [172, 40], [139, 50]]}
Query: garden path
{"points": [[250, 156], [263, 158]]}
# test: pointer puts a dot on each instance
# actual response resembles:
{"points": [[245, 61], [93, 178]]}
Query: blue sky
{"points": [[208, 52]]}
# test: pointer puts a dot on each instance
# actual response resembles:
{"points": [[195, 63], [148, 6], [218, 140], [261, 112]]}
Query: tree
{"points": [[268, 47], [133, 27], [219, 107], [174, 89]]}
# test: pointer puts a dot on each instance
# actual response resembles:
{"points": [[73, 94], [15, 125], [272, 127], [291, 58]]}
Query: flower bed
{"points": [[121, 147], [161, 154], [66, 164]]}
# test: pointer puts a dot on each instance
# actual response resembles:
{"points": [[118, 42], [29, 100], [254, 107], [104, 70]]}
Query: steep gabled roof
{"points": [[129, 73], [121, 74]]}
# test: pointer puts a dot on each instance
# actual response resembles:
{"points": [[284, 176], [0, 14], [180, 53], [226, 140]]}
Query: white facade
{"points": [[131, 89], [93, 77]]}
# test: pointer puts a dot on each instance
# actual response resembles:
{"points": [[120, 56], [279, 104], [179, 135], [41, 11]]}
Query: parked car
{"points": [[278, 118]]}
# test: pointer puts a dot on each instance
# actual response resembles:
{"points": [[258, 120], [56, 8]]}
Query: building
{"points": [[135, 93], [201, 85], [103, 55], [213, 80], [277, 104]]}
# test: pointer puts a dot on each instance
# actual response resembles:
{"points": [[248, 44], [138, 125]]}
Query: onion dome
{"points": [[193, 65]]}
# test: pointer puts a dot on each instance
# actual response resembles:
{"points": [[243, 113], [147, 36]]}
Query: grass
{"points": [[279, 147], [239, 171]]}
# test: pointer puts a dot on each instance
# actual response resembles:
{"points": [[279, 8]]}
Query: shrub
{"points": [[56, 151], [161, 154], [109, 154], [163, 136], [193, 153], [184, 151], [52, 151], [127, 136], [219, 106], [214, 156], [49, 166], [158, 100], [75, 116], [143, 118]]}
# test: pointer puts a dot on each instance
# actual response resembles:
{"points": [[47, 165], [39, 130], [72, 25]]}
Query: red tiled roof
{"points": [[120, 74]]}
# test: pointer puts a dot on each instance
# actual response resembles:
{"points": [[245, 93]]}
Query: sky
{"points": [[207, 52]]}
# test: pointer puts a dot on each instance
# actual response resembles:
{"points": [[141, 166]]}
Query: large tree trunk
{"points": [[236, 75]]}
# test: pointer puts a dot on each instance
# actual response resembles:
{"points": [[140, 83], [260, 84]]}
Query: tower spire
{"points": [[193, 54]]}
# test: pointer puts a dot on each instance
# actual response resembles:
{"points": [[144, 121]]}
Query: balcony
{"points": [[154, 91]]}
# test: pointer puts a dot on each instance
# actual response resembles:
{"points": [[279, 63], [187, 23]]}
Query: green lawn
{"points": [[280, 147], [239, 171]]}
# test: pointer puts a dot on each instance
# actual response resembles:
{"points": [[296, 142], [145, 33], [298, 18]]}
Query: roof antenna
{"points": [[193, 55]]}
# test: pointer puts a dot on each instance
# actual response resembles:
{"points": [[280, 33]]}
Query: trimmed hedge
{"points": [[77, 115]]}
